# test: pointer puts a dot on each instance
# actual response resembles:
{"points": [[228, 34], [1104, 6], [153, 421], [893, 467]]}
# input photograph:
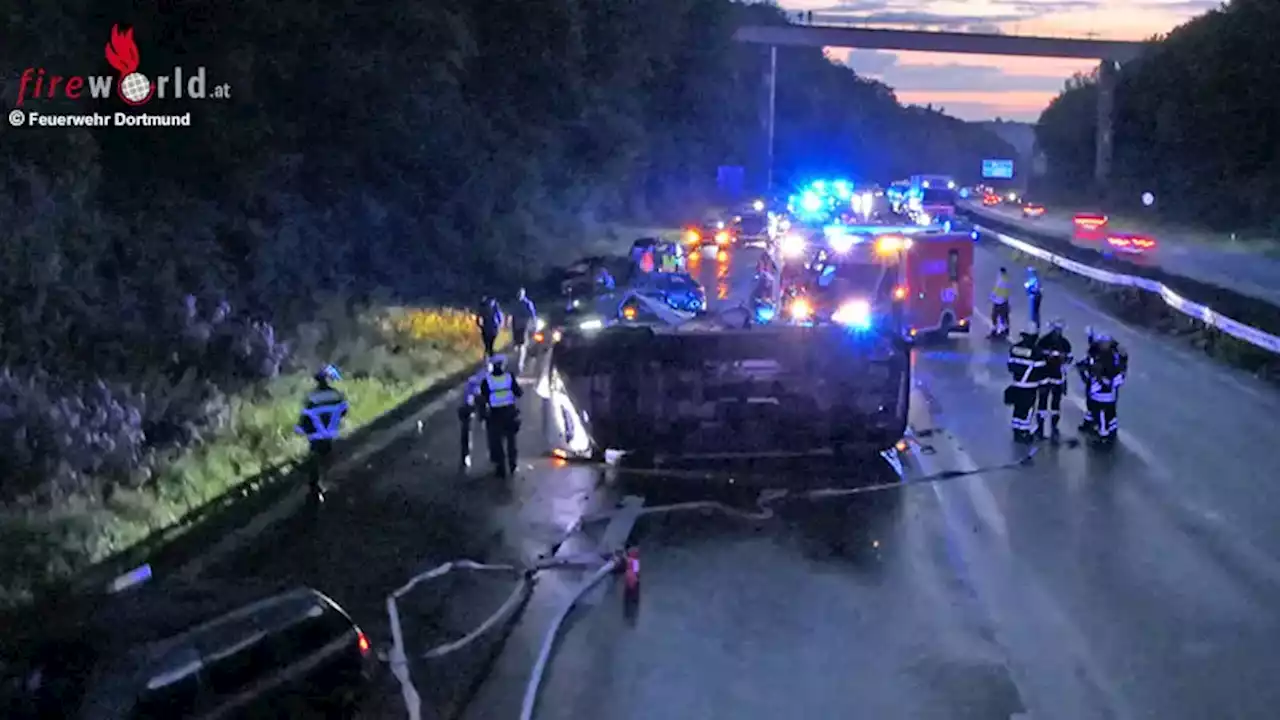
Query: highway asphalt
{"points": [[1236, 266], [1136, 584]]}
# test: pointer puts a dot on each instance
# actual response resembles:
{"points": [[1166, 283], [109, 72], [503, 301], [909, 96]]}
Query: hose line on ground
{"points": [[764, 511], [526, 576]]}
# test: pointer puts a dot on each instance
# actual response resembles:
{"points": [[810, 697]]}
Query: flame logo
{"points": [[134, 88], [122, 52]]}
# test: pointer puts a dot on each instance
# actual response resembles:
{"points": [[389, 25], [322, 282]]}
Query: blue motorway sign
{"points": [[997, 169]]}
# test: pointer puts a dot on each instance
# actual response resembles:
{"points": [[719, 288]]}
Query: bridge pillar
{"points": [[1106, 109]]}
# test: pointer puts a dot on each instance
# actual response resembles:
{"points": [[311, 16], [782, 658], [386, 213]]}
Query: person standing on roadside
{"points": [[500, 395], [321, 422], [489, 321], [1034, 296], [1000, 305], [524, 320], [466, 414]]}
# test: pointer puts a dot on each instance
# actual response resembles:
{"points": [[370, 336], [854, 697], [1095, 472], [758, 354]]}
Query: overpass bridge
{"points": [[830, 32]]}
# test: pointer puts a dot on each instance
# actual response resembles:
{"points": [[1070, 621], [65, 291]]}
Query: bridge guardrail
{"points": [[1153, 280]]}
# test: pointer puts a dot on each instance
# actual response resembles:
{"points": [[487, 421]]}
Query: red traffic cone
{"points": [[631, 571]]}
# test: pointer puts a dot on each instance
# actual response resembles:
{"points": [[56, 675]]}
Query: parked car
{"points": [[186, 653]]}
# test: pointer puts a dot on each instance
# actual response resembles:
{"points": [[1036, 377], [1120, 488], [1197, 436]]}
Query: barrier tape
{"points": [[1204, 314]]}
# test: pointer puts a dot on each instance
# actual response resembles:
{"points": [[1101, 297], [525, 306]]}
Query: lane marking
{"points": [[1249, 554], [1020, 612]]}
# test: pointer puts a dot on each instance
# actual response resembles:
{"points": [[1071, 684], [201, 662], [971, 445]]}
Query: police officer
{"points": [[466, 411], [499, 396], [1034, 296], [1056, 349], [489, 322], [524, 319], [321, 422], [1026, 366], [1000, 305], [1103, 371]]}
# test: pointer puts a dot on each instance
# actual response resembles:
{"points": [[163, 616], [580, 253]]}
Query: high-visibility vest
{"points": [[500, 392], [324, 409], [1001, 292]]}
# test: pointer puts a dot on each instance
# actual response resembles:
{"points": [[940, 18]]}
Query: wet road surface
{"points": [[1240, 267], [1131, 585]]}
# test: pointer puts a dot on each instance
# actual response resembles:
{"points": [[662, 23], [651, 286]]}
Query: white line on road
{"points": [[1022, 613]]}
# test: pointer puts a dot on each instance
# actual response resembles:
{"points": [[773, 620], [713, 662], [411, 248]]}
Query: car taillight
{"points": [[900, 292], [539, 337], [362, 642], [722, 238]]}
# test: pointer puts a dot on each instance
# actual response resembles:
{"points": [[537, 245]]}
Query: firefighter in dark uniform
{"points": [[1026, 366], [321, 421], [500, 395], [466, 412], [1103, 372], [1056, 349]]}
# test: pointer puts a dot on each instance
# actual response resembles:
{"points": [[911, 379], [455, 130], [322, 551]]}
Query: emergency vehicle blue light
{"points": [[811, 202], [765, 314], [820, 185], [855, 314], [974, 235], [843, 191]]}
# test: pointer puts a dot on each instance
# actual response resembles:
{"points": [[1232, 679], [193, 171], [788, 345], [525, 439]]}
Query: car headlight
{"points": [[591, 324], [801, 309], [855, 314]]}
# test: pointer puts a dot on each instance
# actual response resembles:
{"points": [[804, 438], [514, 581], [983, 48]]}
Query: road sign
{"points": [[997, 169]]}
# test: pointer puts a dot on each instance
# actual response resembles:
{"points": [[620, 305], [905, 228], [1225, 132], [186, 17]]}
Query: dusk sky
{"points": [[982, 87]]}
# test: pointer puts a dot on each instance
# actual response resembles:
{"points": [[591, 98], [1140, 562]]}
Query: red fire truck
{"points": [[937, 274]]}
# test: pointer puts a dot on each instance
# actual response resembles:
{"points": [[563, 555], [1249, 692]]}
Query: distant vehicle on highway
{"points": [[709, 234], [933, 206], [1032, 210], [752, 228], [187, 653]]}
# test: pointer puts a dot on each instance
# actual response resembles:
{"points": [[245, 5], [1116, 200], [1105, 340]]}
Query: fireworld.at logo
{"points": [[132, 86]]}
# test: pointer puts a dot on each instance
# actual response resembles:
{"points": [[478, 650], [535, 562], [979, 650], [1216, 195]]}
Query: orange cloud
{"points": [[1026, 104]]}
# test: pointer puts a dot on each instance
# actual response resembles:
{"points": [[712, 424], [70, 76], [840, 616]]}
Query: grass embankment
{"points": [[386, 357], [1150, 311]]}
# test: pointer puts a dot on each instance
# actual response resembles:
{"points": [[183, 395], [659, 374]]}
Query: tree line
{"points": [[425, 152], [1194, 123]]}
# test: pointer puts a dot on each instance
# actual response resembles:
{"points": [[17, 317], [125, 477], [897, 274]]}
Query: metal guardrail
{"points": [[178, 542], [1203, 313]]}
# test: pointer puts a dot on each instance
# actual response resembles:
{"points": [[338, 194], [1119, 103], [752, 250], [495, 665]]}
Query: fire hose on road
{"points": [[607, 563]]}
